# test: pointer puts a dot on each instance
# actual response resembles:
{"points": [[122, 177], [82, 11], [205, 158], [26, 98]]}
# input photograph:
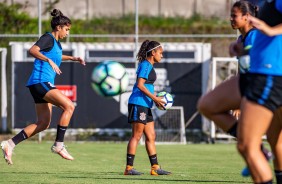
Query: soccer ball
{"points": [[109, 78], [167, 98], [244, 61]]}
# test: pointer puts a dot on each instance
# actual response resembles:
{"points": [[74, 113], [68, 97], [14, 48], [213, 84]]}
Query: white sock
{"points": [[11, 143], [59, 144]]}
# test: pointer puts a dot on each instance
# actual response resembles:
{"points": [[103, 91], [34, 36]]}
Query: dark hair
{"points": [[59, 19], [247, 7], [146, 49]]}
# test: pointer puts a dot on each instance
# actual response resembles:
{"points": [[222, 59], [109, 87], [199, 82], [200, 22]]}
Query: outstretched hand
{"points": [[257, 23], [80, 60], [236, 113], [260, 25]]}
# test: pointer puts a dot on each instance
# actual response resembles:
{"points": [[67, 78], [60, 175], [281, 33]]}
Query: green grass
{"points": [[105, 162]]}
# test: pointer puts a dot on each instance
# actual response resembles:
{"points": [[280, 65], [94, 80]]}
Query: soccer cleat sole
{"points": [[60, 153], [4, 148], [155, 173]]}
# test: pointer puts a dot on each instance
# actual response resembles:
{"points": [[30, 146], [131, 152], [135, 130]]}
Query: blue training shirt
{"points": [[42, 70], [248, 41], [146, 71], [266, 53], [249, 38]]}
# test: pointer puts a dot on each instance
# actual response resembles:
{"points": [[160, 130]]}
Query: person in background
{"points": [[261, 89], [139, 108], [47, 52], [217, 104]]}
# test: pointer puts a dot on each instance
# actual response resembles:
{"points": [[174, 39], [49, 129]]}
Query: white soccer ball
{"points": [[244, 63], [109, 78], [167, 98]]}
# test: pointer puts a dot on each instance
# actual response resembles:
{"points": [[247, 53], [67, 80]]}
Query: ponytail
{"points": [[146, 49]]}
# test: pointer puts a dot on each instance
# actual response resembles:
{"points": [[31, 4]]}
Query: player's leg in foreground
{"points": [[267, 154], [43, 111], [150, 137], [60, 100], [274, 137], [216, 106], [137, 131], [253, 123]]}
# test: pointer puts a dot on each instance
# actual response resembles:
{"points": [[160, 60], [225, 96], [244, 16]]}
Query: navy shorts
{"points": [[137, 113], [38, 91], [265, 90]]}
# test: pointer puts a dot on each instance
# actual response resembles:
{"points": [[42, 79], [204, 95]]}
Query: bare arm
{"points": [[72, 58], [236, 49], [35, 52], [141, 86], [266, 29]]}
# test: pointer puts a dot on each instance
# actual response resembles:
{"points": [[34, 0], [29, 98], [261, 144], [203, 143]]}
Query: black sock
{"points": [[266, 182], [129, 159], [61, 130], [153, 160], [19, 137], [278, 175], [233, 130]]}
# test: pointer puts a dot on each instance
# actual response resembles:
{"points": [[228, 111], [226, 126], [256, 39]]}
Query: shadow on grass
{"points": [[105, 176], [138, 178]]}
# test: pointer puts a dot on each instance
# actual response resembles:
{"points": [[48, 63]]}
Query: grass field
{"points": [[105, 162]]}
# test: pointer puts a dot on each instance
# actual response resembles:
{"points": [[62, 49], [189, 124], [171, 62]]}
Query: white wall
{"points": [[84, 9]]}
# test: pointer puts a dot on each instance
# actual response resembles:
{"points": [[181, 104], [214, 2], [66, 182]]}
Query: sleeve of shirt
{"points": [[144, 69], [45, 42], [250, 39], [278, 4]]}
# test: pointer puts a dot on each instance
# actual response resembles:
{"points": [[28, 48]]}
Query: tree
{"points": [[50, 6], [13, 18]]}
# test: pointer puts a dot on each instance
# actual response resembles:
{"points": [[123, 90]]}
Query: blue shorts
{"points": [[137, 113], [38, 91], [265, 90]]}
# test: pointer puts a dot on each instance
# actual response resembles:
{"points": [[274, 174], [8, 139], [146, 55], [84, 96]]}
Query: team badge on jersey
{"points": [[142, 116]]}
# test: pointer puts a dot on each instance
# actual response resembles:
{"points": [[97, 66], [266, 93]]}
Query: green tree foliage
{"points": [[50, 6], [14, 20]]}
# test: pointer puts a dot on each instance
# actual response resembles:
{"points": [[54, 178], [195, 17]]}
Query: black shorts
{"points": [[265, 90], [137, 113], [38, 91]]}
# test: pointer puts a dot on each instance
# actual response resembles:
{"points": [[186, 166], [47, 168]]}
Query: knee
{"points": [[70, 107], [241, 148], [136, 137], [151, 137], [202, 106], [244, 149]]}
